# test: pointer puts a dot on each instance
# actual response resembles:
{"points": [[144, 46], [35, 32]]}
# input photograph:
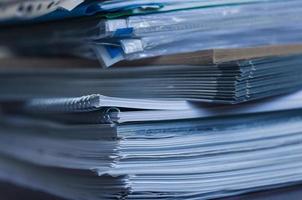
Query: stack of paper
{"points": [[193, 158], [203, 99], [231, 82], [140, 29]]}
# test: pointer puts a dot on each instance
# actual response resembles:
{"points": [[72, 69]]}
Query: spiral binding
{"points": [[66, 105]]}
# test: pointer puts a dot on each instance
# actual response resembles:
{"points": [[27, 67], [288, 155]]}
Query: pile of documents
{"points": [[196, 99], [115, 30], [230, 82]]}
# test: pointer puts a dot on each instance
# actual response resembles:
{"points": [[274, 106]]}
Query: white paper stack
{"points": [[197, 157], [203, 99], [232, 82]]}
